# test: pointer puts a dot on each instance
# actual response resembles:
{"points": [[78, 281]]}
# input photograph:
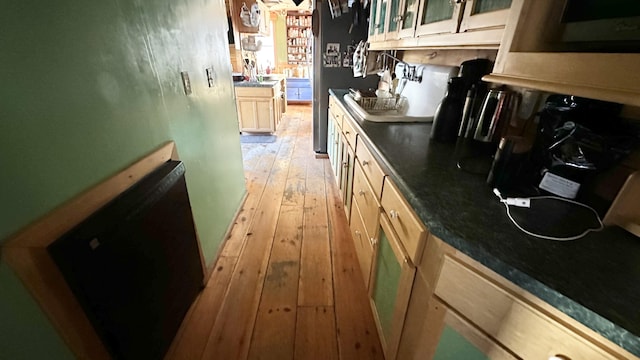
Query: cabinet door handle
{"points": [[393, 214], [347, 133], [345, 164], [373, 242], [365, 162], [361, 193], [358, 234], [559, 357]]}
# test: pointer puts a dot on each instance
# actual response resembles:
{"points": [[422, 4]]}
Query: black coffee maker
{"points": [[449, 114], [577, 138]]}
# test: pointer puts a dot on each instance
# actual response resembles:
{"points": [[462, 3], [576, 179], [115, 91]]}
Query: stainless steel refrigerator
{"points": [[332, 31]]}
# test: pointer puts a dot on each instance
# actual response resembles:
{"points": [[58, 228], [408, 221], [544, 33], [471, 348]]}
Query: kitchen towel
{"points": [[365, 62]]}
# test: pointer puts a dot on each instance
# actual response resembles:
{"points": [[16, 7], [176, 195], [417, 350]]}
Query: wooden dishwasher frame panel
{"points": [[26, 254]]}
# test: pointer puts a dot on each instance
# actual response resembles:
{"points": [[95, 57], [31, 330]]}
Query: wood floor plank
{"points": [[231, 334], [316, 333], [258, 160], [274, 332], [316, 281], [357, 335], [190, 342]]}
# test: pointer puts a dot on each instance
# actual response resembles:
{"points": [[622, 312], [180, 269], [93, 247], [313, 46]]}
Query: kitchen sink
{"points": [[398, 114]]}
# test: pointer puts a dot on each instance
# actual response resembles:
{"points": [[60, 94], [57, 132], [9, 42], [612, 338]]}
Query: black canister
{"points": [[448, 114]]}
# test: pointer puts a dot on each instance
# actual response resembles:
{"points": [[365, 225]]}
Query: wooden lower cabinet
{"points": [[259, 108], [459, 309], [256, 115]]}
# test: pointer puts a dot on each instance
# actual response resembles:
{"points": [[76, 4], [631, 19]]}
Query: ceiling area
{"points": [[280, 5], [275, 5]]}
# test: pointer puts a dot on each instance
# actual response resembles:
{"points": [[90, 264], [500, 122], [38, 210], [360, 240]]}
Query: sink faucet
{"points": [[409, 72]]}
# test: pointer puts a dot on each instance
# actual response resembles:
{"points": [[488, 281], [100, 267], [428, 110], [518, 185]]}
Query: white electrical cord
{"points": [[525, 202]]}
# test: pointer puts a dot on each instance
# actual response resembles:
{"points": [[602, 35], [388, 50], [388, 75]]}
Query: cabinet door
{"points": [[336, 149], [256, 114], [367, 201], [392, 278], [410, 9], [342, 145], [480, 14], [363, 243], [394, 20], [346, 178], [292, 93], [265, 120], [438, 16], [305, 93], [377, 20], [450, 336], [330, 131]]}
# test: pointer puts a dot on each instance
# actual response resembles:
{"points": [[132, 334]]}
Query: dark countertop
{"points": [[265, 83], [595, 280]]}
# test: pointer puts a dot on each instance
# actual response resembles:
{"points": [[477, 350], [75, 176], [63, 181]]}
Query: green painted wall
{"points": [[88, 88], [280, 39]]}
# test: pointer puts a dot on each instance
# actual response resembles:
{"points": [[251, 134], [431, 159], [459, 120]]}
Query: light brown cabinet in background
{"points": [[259, 108]]}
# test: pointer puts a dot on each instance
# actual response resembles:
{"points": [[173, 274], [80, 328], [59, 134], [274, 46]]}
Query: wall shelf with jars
{"points": [[299, 37]]}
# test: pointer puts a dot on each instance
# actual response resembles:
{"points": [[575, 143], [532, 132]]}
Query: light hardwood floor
{"points": [[286, 284]]}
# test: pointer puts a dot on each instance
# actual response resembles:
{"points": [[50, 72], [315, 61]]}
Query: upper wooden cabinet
{"points": [[534, 55], [404, 24]]}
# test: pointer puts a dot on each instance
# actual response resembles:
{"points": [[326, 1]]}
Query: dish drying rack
{"points": [[382, 104], [370, 102]]}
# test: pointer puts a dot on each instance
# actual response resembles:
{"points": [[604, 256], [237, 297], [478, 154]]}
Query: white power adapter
{"points": [[520, 202]]}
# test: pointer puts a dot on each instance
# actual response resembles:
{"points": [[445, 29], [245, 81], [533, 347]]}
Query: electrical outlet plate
{"points": [[210, 75], [186, 83]]}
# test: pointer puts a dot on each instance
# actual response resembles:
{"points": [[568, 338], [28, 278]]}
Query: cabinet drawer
{"points": [[371, 169], [349, 132], [367, 202], [254, 91], [405, 222], [336, 113], [520, 327]]}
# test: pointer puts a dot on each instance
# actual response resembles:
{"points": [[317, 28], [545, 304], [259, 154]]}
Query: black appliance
{"points": [[450, 114], [135, 266], [577, 139]]}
